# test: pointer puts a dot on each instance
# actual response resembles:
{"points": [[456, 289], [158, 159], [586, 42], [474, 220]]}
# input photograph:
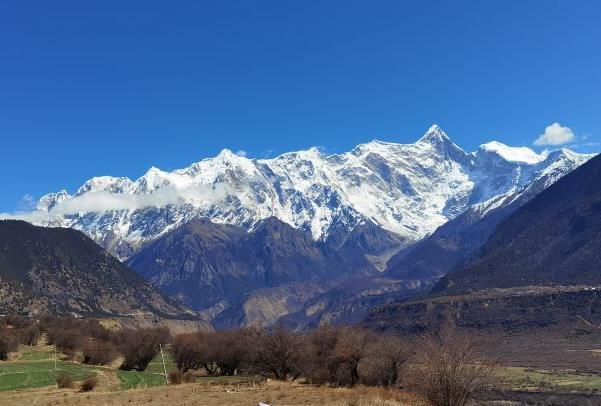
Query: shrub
{"points": [[189, 377], [64, 380], [450, 371], [88, 384], [8, 342], [16, 321], [30, 335], [98, 352], [140, 346], [66, 341], [177, 377]]}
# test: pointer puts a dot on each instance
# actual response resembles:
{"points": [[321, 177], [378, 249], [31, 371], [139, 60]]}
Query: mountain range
{"points": [[306, 238], [407, 189]]}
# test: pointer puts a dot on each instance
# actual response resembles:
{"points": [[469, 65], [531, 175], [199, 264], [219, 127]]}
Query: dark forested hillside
{"points": [[58, 269]]}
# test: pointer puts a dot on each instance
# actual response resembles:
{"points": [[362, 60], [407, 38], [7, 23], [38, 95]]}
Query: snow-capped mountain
{"points": [[409, 189]]}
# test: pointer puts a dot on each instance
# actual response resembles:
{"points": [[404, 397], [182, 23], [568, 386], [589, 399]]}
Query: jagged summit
{"points": [[438, 138], [408, 189], [434, 133]]}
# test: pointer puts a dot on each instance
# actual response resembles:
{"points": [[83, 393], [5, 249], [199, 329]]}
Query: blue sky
{"points": [[114, 87]]}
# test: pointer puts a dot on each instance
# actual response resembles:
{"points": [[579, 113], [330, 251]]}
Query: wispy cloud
{"points": [[268, 153], [97, 202], [584, 145], [241, 153], [27, 203]]}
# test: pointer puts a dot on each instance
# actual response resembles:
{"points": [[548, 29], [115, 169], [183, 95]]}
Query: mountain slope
{"points": [[407, 189], [55, 269], [209, 265], [457, 241], [555, 239], [538, 271]]}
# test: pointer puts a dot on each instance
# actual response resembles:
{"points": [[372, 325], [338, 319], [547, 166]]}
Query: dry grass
{"points": [[273, 393]]}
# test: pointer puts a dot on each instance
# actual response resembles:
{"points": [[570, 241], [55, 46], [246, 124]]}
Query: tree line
{"points": [[443, 367]]}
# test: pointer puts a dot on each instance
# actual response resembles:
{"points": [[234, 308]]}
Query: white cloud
{"points": [[97, 202], [555, 134], [241, 153]]}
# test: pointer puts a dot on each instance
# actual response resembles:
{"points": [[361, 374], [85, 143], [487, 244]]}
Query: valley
{"points": [[271, 203]]}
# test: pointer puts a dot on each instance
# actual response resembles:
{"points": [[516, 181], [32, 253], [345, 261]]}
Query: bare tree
{"points": [[384, 360], [189, 351], [351, 348], [450, 370], [231, 350], [320, 361], [277, 352], [140, 346], [213, 351], [30, 335]]}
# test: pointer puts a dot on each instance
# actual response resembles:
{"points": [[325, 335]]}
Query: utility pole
{"points": [[164, 367], [55, 357]]}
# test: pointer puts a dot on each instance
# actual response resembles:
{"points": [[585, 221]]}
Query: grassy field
{"points": [[34, 367], [530, 379], [23, 375]]}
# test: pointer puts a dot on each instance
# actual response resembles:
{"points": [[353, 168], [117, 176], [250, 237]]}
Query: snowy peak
{"points": [[435, 135], [407, 189], [438, 141], [47, 202], [513, 154]]}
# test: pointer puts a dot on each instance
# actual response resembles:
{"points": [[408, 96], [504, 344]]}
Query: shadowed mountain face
{"points": [[540, 268], [555, 239], [214, 265], [456, 243], [57, 269]]}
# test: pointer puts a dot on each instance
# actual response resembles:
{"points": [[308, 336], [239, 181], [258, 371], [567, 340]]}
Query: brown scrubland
{"points": [[330, 365]]}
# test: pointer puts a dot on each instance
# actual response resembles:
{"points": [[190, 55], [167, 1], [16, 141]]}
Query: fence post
{"points": [[164, 367]]}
